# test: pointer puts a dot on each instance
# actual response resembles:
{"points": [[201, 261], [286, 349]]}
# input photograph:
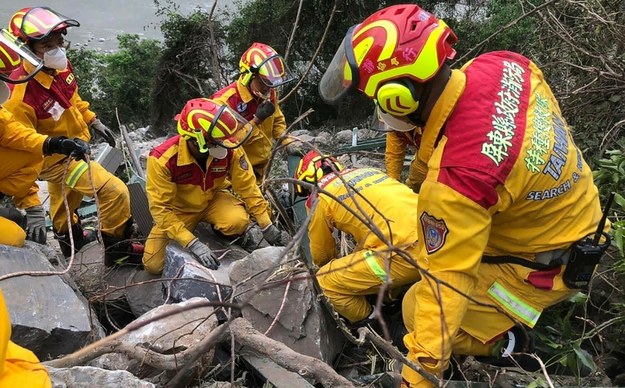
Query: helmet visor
{"points": [[342, 76], [394, 123], [228, 129], [24, 52], [39, 22], [273, 72]]}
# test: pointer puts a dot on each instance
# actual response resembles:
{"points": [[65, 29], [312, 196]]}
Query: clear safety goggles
{"points": [[227, 129], [273, 72], [24, 52], [341, 76], [39, 22]]}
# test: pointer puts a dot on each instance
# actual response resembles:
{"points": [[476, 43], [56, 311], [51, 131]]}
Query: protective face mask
{"points": [[218, 152], [55, 59]]}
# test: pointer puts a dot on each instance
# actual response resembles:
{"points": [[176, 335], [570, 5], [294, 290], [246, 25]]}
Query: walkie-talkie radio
{"points": [[586, 254]]}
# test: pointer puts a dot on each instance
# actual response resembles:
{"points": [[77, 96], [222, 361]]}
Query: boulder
{"points": [[143, 292], [88, 376], [303, 324], [47, 316]]}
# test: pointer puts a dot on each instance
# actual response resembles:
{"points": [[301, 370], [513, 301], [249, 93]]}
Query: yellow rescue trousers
{"points": [[226, 213], [501, 294], [18, 172], [346, 281], [113, 196], [19, 367]]}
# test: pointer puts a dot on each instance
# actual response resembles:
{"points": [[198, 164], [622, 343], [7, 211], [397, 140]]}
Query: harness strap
{"points": [[521, 261]]}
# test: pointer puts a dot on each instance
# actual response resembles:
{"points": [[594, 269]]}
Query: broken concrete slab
{"points": [[303, 324], [88, 376], [47, 316]]}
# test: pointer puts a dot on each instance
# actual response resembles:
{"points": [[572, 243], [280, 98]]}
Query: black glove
{"points": [[14, 215], [76, 147], [275, 236], [203, 254], [104, 131], [264, 110], [36, 224]]}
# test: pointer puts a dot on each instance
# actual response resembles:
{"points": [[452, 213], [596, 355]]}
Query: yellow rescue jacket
{"points": [[177, 184], [386, 199]]}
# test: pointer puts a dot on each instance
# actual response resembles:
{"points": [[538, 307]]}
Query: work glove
{"points": [[275, 236], [414, 186], [11, 213], [264, 110], [102, 130], [75, 147], [203, 254], [36, 224]]}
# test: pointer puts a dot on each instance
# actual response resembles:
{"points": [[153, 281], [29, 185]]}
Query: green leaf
{"points": [[585, 358], [620, 200], [615, 98]]}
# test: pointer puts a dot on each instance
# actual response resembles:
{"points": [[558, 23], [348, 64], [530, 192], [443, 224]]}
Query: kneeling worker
{"points": [[186, 184]]}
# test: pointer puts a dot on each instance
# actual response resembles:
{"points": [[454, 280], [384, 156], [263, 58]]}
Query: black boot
{"points": [[122, 250], [514, 342], [81, 238]]}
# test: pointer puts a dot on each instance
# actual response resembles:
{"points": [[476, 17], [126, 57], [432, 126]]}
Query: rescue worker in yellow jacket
{"points": [[21, 156], [255, 98], [50, 103], [506, 198], [392, 208], [19, 367], [186, 184]]}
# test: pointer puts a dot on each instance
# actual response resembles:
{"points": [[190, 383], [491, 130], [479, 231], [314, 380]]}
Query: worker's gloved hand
{"points": [[275, 236], [75, 147], [36, 224], [102, 130], [203, 254], [264, 110]]}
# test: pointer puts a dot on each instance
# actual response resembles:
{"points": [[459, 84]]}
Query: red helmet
{"points": [[12, 51], [263, 61], [9, 59], [36, 23], [398, 42], [208, 121], [312, 168]]}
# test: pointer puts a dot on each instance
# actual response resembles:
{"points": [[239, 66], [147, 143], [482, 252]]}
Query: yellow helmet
{"points": [[312, 167], [263, 61]]}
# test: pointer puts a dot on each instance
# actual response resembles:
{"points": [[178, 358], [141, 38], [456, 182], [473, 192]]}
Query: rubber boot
{"points": [[81, 238], [120, 251], [509, 351]]}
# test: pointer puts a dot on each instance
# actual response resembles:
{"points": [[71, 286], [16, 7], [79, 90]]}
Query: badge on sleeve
{"points": [[243, 163], [434, 231]]}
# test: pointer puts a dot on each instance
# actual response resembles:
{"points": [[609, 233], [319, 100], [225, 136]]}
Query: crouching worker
{"points": [[186, 184], [392, 208], [21, 156]]}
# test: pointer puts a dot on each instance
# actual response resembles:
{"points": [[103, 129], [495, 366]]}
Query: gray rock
{"points": [[89, 377], [344, 136], [143, 292], [303, 324], [299, 132], [48, 317], [191, 279]]}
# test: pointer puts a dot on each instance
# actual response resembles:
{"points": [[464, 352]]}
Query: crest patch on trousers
{"points": [[434, 231], [243, 163]]}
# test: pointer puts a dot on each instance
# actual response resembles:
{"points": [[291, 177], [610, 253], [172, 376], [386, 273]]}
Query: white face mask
{"points": [[55, 59], [218, 152]]}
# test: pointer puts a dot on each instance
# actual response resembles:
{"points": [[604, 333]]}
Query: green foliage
{"points": [[610, 177], [184, 70], [119, 81]]}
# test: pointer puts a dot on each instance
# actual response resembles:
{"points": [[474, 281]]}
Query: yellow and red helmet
{"points": [[9, 59], [37, 23], [312, 167], [397, 42], [263, 61], [211, 123]]}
